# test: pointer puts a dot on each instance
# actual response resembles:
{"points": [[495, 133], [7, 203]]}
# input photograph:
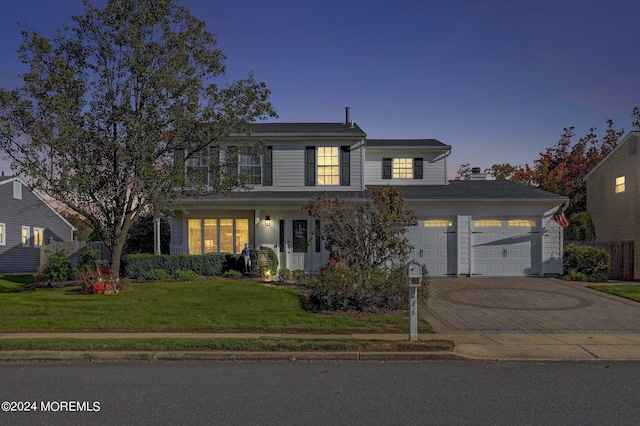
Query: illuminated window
{"points": [[3, 231], [242, 234], [211, 235], [195, 236], [485, 223], [403, 168], [26, 235], [522, 222], [328, 165], [620, 184], [226, 235], [432, 223], [38, 236]]}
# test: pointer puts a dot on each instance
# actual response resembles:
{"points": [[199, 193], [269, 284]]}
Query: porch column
{"points": [[156, 235]]}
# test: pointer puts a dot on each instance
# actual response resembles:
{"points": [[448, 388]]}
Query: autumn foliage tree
{"points": [[561, 168], [107, 102]]}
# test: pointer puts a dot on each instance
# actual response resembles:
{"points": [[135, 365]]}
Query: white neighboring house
{"points": [[471, 227]]}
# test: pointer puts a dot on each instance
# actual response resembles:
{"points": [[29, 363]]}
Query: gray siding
{"points": [[30, 211]]}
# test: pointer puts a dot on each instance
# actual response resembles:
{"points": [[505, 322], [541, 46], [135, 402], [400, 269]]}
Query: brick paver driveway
{"points": [[526, 305]]}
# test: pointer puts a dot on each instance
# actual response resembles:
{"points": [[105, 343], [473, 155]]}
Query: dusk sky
{"points": [[497, 80]]}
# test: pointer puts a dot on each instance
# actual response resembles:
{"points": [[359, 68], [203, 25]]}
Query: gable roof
{"points": [[7, 179], [309, 129], [422, 143], [633, 133]]}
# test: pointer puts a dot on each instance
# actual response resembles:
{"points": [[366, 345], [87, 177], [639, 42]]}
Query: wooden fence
{"points": [[73, 250], [621, 256]]}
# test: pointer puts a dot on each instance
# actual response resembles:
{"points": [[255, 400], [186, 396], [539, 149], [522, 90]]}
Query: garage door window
{"points": [[434, 223], [522, 222], [485, 223]]}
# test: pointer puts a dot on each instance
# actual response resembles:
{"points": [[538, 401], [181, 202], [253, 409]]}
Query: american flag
{"points": [[562, 219]]}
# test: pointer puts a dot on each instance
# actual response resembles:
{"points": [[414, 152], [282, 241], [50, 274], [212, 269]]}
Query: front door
{"points": [[297, 235]]}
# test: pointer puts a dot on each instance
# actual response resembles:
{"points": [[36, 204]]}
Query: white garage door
{"points": [[434, 245], [505, 247]]}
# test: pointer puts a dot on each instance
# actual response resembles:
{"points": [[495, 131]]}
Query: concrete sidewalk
{"points": [[468, 346]]}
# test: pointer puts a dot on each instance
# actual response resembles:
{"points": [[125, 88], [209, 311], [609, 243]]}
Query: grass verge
{"points": [[201, 306], [268, 345], [627, 291]]}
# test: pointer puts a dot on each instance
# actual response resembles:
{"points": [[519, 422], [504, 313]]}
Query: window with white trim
{"points": [[17, 190], [403, 168], [3, 233], [26, 235], [218, 235], [620, 184], [328, 165], [250, 166], [38, 237]]}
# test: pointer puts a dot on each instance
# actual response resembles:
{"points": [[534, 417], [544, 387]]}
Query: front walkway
{"points": [[526, 305]]}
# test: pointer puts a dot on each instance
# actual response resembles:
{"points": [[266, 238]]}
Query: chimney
{"points": [[347, 115], [476, 174]]}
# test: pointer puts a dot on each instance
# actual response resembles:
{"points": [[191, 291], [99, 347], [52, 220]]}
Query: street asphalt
{"points": [[501, 319]]}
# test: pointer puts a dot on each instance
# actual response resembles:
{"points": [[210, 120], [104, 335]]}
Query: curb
{"points": [[113, 356]]}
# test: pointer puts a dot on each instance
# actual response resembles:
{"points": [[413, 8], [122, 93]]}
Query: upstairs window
{"points": [[17, 190], [328, 165], [250, 166], [402, 168], [620, 184], [202, 166]]}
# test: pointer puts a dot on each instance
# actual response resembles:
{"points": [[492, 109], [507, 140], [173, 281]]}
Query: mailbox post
{"points": [[414, 279]]}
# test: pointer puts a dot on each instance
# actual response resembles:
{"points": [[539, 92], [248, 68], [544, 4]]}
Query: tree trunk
{"points": [[116, 254]]}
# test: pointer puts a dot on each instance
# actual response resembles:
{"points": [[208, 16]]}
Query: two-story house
{"points": [[613, 193], [471, 227], [27, 222]]}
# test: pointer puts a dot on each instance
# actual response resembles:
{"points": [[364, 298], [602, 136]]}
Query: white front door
{"points": [[298, 236]]}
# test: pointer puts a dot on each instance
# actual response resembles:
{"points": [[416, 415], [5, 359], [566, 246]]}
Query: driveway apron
{"points": [[526, 305]]}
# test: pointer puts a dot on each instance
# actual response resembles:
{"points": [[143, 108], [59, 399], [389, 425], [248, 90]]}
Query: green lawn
{"points": [[629, 291], [200, 306]]}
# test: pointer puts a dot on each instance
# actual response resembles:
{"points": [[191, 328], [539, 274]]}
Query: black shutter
{"points": [[310, 166], [345, 166], [386, 168], [268, 167], [417, 168]]}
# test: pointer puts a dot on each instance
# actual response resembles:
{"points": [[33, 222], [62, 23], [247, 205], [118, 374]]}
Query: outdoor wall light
{"points": [[267, 221]]}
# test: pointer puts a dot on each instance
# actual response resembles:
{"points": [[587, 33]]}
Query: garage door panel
{"points": [[434, 247], [504, 250]]}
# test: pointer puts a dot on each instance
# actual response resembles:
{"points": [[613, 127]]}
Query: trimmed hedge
{"points": [[140, 266], [585, 262]]}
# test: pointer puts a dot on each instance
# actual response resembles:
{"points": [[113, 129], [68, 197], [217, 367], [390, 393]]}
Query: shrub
{"points": [[231, 273], [158, 275], [285, 275], [593, 263], [88, 257], [139, 266], [57, 268], [342, 288], [186, 275]]}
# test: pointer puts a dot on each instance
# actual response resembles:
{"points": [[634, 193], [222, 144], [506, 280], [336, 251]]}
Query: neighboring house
{"points": [[27, 222], [613, 195], [472, 227]]}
